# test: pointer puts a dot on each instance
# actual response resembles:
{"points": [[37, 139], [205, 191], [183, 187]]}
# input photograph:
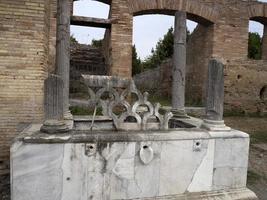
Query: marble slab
{"points": [[99, 169]]}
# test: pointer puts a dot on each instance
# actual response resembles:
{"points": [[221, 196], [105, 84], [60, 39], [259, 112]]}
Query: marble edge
{"points": [[32, 135]]}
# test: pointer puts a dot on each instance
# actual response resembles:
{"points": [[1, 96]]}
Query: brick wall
{"points": [[244, 80], [199, 52], [121, 39], [24, 29]]}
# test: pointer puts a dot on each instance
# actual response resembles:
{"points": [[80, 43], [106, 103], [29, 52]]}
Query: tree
{"points": [[254, 46], [137, 64], [73, 39], [97, 43], [163, 50]]}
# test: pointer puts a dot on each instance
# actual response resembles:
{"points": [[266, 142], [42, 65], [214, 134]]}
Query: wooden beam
{"points": [[90, 21]]}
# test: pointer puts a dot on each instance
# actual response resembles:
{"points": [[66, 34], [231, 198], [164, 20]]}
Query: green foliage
{"points": [[73, 39], [163, 100], [163, 50], [253, 177], [254, 46], [97, 43], [137, 64], [77, 110], [258, 137]]}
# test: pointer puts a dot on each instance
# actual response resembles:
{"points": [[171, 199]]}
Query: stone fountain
{"points": [[132, 151]]}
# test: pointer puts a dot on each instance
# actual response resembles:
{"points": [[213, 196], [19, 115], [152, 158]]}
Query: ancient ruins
{"points": [[139, 153]]}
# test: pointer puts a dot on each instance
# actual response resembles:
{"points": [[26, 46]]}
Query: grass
{"points": [[76, 110], [253, 177], [242, 113], [259, 137], [163, 100]]}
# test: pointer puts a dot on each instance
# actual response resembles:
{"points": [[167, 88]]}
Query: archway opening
{"points": [[89, 31], [152, 54], [90, 9], [255, 39]]}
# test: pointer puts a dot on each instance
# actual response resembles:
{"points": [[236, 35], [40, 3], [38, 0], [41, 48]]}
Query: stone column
{"points": [[215, 97], [264, 44], [179, 65], [53, 106], [63, 51]]}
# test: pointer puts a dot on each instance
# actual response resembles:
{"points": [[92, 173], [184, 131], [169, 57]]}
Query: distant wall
{"points": [[156, 81], [244, 82]]}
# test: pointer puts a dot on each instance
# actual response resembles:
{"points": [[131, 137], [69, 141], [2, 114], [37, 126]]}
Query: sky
{"points": [[147, 29]]}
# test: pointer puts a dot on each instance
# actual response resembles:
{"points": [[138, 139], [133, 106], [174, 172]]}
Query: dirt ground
{"points": [[257, 174]]}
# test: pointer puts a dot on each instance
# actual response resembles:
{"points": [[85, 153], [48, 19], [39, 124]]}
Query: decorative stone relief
{"points": [[136, 115]]}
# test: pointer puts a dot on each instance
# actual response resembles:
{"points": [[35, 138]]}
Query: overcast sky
{"points": [[148, 29]]}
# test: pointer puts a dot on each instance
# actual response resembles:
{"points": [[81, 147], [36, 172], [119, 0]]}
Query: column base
{"points": [[68, 118], [179, 113], [213, 125], [54, 126]]}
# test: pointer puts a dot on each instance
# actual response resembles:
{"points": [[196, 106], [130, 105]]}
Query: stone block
{"points": [[101, 165]]}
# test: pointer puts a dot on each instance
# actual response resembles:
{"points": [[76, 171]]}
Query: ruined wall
{"points": [[244, 82], [199, 52], [121, 39], [24, 31], [84, 59], [227, 40], [52, 36], [156, 81]]}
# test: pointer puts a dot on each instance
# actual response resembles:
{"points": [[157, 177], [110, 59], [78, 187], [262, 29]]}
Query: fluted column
{"points": [[215, 97]]}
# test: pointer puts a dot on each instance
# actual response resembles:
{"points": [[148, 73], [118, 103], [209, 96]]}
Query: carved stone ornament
{"points": [[137, 115]]}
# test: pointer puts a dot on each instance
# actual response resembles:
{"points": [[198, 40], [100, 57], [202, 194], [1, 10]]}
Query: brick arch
{"points": [[258, 12], [196, 11]]}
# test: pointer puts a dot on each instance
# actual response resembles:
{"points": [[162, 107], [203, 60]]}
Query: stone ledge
{"points": [[236, 194], [32, 134]]}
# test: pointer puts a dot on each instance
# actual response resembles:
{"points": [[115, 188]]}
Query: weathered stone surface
{"points": [[62, 170], [54, 107], [63, 48], [179, 63], [53, 103], [109, 95], [215, 91]]}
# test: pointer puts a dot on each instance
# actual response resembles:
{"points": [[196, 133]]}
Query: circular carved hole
{"points": [[239, 76], [198, 143], [91, 147]]}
